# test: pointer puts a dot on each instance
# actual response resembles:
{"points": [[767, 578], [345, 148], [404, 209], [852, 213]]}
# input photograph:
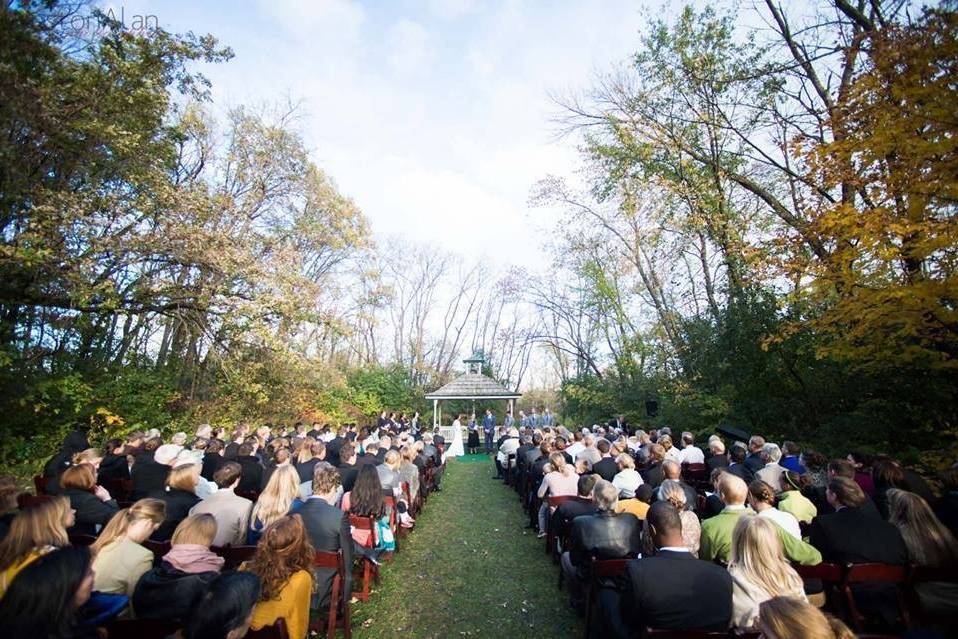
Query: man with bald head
{"points": [[673, 471], [716, 540]]}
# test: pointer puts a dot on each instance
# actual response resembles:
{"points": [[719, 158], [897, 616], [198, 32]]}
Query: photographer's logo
{"points": [[99, 23]]}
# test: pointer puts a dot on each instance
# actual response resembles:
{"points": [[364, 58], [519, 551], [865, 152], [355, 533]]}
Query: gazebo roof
{"points": [[473, 386]]}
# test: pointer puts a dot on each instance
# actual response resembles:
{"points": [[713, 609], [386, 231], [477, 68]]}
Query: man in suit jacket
{"points": [[754, 460], [488, 430], [673, 471], [252, 476], [738, 466], [604, 535], [348, 471], [716, 539], [230, 511], [606, 468], [619, 422], [328, 530], [669, 590], [717, 458]]}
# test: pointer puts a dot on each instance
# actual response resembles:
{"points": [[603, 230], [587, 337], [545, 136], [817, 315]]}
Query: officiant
{"points": [[473, 443]]}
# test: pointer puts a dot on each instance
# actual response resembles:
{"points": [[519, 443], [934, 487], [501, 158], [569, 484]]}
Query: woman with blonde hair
{"points": [[672, 492], [119, 556], [283, 562], [170, 590], [791, 618], [93, 505], [929, 543], [281, 497], [179, 497], [759, 569], [561, 480], [408, 471], [34, 532]]}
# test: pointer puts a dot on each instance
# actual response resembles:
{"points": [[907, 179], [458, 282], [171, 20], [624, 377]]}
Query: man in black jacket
{"points": [[604, 535], [561, 521], [252, 476], [669, 590], [754, 459], [654, 474], [737, 465], [348, 471], [606, 468], [328, 530]]}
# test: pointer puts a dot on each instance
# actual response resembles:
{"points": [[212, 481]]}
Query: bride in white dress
{"points": [[455, 448]]}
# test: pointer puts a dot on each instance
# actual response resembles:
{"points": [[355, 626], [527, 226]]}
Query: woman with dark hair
{"points": [[74, 443], [114, 466], [886, 475], [44, 599], [366, 500], [226, 610], [282, 562], [793, 501], [863, 476], [212, 459]]}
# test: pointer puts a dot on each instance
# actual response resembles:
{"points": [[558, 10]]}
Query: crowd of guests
{"points": [[78, 557], [716, 537]]}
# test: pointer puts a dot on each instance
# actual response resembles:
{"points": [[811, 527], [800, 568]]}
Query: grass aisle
{"points": [[470, 569]]}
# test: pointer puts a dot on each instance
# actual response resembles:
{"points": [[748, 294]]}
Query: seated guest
{"points": [[119, 556], [509, 446], [562, 480], [671, 589], [762, 500], [589, 451], [791, 458], [606, 467], [716, 541], [754, 459], [37, 530], [113, 465], [604, 535], [280, 498], [713, 503], [929, 543], [627, 480], [561, 520], [93, 505], [312, 452], [172, 590], [841, 468], [638, 505], [815, 465], [887, 476], [283, 561], [946, 508], [366, 500], [180, 497], [408, 472], [46, 598], [851, 536], [737, 465], [864, 473], [792, 500], [75, 442], [348, 471], [788, 618], [673, 472], [653, 473], [151, 469], [280, 457], [717, 458], [759, 570], [771, 473], [230, 511], [212, 459], [252, 476], [673, 492], [226, 609], [690, 453], [328, 529]]}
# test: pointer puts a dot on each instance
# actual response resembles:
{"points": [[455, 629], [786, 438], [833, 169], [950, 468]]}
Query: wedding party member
{"points": [[119, 556], [281, 497], [45, 599], [759, 570], [37, 530], [226, 610], [488, 430], [283, 561], [232, 512], [93, 505], [171, 590]]}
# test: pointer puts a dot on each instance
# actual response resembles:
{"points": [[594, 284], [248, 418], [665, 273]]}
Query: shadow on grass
{"points": [[470, 569]]}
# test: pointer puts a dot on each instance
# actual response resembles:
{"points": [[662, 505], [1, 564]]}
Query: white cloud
{"points": [[452, 9], [409, 47]]}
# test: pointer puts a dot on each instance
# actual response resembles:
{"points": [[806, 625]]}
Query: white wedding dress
{"points": [[455, 448]]}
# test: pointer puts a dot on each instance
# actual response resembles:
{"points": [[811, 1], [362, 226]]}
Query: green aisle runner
{"points": [[470, 569]]}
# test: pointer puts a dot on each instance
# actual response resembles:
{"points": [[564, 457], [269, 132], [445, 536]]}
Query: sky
{"points": [[435, 116]]}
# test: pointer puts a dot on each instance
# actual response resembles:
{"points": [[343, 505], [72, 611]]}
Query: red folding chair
{"points": [[554, 503], [601, 569], [370, 570], [873, 573], [234, 556], [338, 600], [26, 500], [40, 484]]}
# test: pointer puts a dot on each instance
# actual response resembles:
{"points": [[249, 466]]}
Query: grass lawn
{"points": [[470, 569]]}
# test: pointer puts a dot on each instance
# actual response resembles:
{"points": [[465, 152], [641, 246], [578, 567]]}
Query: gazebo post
{"points": [[435, 414], [511, 407]]}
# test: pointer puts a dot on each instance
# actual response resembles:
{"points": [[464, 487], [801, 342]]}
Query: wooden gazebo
{"points": [[471, 385]]}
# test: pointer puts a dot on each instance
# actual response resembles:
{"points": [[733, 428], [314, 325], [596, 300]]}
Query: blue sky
{"points": [[434, 115]]}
